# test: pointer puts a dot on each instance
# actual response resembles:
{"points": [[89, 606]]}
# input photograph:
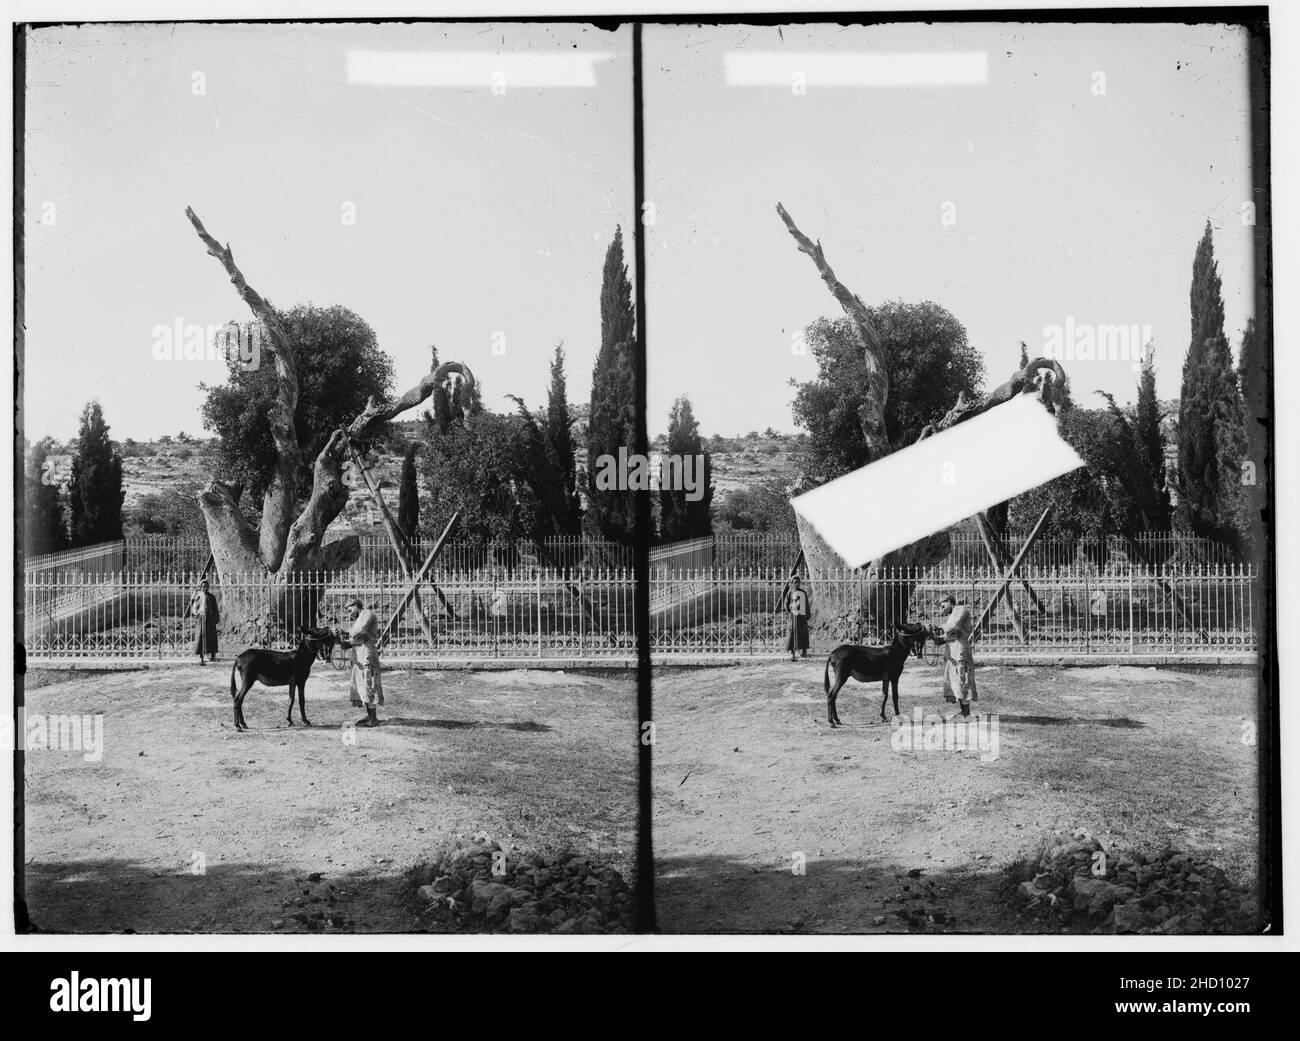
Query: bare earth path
{"points": [[297, 829], [749, 776]]}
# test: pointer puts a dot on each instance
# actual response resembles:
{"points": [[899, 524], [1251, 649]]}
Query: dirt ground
{"points": [[296, 829], [748, 776]]}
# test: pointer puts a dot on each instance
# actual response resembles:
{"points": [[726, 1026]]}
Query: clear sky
{"points": [[1069, 205], [475, 213]]}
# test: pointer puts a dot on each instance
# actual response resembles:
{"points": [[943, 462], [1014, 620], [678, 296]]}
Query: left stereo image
{"points": [[323, 330]]}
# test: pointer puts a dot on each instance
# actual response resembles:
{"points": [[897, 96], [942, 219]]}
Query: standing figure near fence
{"points": [[203, 605], [799, 604], [365, 687], [956, 636]]}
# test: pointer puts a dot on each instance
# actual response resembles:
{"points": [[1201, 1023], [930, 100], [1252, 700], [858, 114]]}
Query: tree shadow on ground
{"points": [[118, 896], [1115, 722], [527, 727], [719, 894]]}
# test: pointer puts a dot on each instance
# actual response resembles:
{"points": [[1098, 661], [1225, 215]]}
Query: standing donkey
{"points": [[867, 664]]}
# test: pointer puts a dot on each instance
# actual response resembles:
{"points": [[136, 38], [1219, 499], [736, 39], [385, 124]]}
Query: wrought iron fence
{"points": [[164, 554], [1154, 549], [587, 613], [1074, 613], [101, 558], [580, 613], [746, 549]]}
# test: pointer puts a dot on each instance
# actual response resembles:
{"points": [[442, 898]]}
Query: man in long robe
{"points": [[799, 604], [203, 605], [365, 687], [958, 655]]}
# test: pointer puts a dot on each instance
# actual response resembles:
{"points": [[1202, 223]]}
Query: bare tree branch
{"points": [[277, 503], [374, 412], [872, 413]]}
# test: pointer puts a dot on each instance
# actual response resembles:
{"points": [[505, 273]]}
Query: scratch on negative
{"points": [[547, 144]]}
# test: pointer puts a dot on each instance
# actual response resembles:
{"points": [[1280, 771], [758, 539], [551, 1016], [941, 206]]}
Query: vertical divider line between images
{"points": [[641, 552]]}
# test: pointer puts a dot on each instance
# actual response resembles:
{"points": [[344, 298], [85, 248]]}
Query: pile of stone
{"points": [[476, 886], [1081, 885], [317, 907]]}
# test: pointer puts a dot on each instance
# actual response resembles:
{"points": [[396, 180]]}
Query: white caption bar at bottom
{"points": [[934, 483]]}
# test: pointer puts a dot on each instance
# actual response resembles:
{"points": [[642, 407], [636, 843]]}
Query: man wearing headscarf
{"points": [[799, 604], [956, 635], [203, 605], [366, 687]]}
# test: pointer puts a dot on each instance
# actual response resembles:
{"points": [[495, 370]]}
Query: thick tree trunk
{"points": [[291, 554]]}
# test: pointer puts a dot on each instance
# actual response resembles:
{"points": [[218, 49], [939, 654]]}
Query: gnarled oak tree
{"points": [[284, 546]]}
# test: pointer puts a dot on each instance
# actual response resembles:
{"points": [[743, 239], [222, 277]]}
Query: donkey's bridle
{"points": [[906, 638]]}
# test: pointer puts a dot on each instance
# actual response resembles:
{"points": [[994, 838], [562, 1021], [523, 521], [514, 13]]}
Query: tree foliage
{"points": [[928, 360], [489, 471], [1115, 492], [1087, 501], [1151, 444], [1255, 376], [95, 493], [173, 511], [339, 366], [680, 516], [408, 496], [561, 449], [611, 423], [1211, 429], [46, 525], [764, 507]]}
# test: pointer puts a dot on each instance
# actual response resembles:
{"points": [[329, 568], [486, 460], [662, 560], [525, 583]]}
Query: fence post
{"points": [[1087, 611], [1132, 625], [539, 613]]}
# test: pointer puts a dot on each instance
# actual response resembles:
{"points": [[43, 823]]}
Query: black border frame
{"points": [[1253, 18]]}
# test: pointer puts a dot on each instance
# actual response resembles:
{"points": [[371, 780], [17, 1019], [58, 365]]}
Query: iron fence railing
{"points": [[163, 554], [172, 553], [581, 613], [1186, 611], [587, 613], [100, 558]]}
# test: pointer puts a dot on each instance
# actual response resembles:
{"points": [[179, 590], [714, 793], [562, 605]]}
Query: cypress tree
{"points": [[1211, 433], [95, 493], [1146, 426], [612, 420], [1255, 373], [408, 497], [681, 518], [561, 447], [47, 528]]}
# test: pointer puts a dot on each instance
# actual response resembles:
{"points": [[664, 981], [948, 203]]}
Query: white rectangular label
{"points": [[934, 483]]}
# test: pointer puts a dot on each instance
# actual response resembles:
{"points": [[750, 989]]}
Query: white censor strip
{"points": [[469, 70], [875, 69], [937, 482]]}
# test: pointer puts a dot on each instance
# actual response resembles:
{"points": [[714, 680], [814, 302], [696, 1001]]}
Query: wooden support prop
{"points": [[1002, 560], [206, 568], [1010, 573], [574, 591], [412, 593], [400, 543], [1135, 552], [990, 547], [402, 548]]}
